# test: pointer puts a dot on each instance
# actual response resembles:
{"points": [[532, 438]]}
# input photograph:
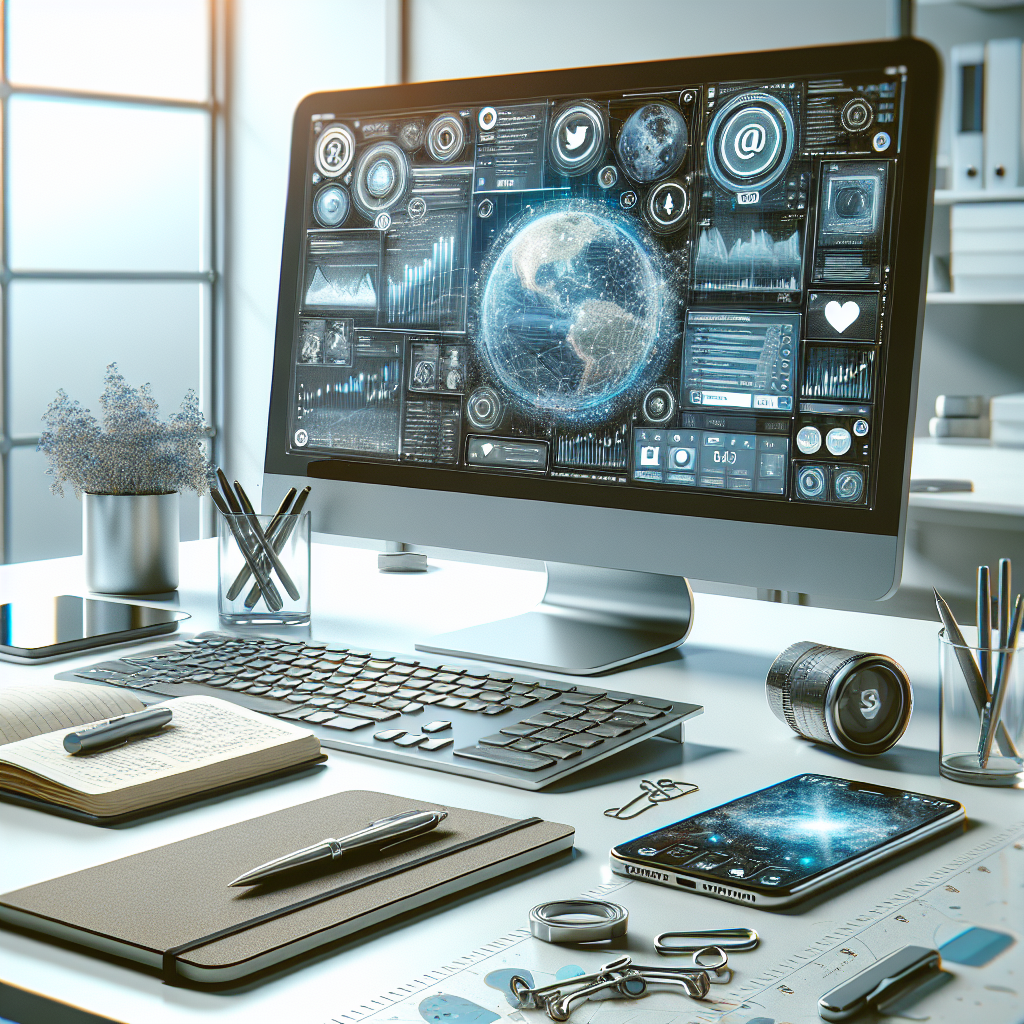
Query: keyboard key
{"points": [[279, 694], [494, 687], [574, 725], [560, 750], [455, 670], [496, 709], [308, 687], [551, 684], [583, 740], [642, 712], [452, 702], [436, 743], [442, 687], [371, 699], [413, 708], [607, 731], [270, 678], [393, 680], [424, 673], [296, 698], [383, 690], [298, 673], [551, 734], [383, 665], [496, 740], [543, 720], [520, 729], [318, 702], [632, 721], [439, 726], [595, 716], [407, 694], [257, 689], [467, 691], [320, 676], [581, 699], [402, 670], [522, 688], [491, 698], [346, 670], [320, 716], [350, 694], [298, 714], [542, 694], [568, 710], [347, 723], [498, 677], [330, 691], [303, 663], [474, 705], [445, 677], [409, 740], [432, 698], [516, 701], [237, 684], [374, 675], [521, 759], [361, 684], [646, 702], [394, 704], [376, 714], [524, 744], [388, 734], [606, 704]]}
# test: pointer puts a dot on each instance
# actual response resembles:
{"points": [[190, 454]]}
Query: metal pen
{"points": [[280, 538], [984, 616], [385, 832], [240, 580], [263, 581], [113, 731], [994, 710], [261, 539]]}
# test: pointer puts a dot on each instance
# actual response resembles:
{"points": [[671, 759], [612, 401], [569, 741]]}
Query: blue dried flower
{"points": [[131, 451]]}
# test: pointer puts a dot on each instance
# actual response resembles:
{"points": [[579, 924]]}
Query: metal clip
{"points": [[653, 793]]}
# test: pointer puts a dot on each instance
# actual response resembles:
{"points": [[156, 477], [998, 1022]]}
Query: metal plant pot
{"points": [[131, 543]]}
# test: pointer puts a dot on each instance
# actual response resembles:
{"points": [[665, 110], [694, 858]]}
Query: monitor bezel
{"points": [[909, 244]]}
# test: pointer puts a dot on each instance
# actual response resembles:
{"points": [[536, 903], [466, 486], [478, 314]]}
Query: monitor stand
{"points": [[589, 621]]}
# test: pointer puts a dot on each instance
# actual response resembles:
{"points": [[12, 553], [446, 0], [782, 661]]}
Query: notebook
{"points": [[172, 908], [210, 744]]}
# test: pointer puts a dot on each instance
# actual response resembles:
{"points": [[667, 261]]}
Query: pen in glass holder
{"points": [[263, 581], [279, 536]]}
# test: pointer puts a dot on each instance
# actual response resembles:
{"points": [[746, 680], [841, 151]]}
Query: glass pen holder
{"points": [[263, 569], [981, 716]]}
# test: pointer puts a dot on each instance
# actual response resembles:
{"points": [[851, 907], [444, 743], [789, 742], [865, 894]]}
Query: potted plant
{"points": [[130, 466]]}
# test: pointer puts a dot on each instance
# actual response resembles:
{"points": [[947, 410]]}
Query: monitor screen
{"points": [[668, 289]]}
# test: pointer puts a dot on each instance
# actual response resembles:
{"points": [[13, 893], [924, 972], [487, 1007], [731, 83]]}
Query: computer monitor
{"points": [[643, 322]]}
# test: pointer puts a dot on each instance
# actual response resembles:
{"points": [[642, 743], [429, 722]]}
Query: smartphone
{"points": [[34, 630], [784, 843]]}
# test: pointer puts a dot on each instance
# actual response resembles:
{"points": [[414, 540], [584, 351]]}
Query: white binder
{"points": [[1003, 113], [967, 62]]}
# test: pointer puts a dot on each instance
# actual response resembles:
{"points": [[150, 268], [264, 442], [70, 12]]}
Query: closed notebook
{"points": [[173, 909]]}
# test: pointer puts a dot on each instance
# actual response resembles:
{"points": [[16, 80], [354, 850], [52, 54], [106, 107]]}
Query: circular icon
{"points": [[658, 406], [383, 221], [417, 207], [484, 408], [808, 440], [577, 137], [380, 180], [446, 138], [647, 851], [682, 458], [484, 208], [838, 441], [667, 206], [331, 205], [627, 200], [881, 142], [301, 439], [857, 115], [849, 485], [810, 482], [608, 176], [487, 118], [334, 150], [860, 427], [686, 97], [751, 140], [652, 142], [410, 136], [316, 178]]}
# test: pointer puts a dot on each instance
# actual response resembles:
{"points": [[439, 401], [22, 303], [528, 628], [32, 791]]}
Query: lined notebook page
{"points": [[30, 710], [203, 731]]}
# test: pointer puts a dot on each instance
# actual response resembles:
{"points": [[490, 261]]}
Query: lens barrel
{"points": [[856, 701]]}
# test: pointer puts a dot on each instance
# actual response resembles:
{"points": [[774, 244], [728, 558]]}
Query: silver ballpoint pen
{"points": [[377, 834]]}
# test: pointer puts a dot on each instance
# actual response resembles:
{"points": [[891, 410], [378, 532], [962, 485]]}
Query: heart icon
{"points": [[840, 317]]}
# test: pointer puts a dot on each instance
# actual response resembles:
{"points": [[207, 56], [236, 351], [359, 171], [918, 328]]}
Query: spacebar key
{"points": [[507, 758]]}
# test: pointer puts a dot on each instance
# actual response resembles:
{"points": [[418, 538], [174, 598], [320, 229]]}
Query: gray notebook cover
{"points": [[172, 907]]}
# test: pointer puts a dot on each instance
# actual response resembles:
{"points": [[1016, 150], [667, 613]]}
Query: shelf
{"points": [[959, 299], [944, 197]]}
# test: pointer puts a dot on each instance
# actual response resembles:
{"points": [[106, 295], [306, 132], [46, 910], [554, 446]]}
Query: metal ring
{"points": [[548, 921], [723, 958]]}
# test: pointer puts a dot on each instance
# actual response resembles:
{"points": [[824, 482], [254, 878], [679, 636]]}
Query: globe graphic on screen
{"points": [[571, 310]]}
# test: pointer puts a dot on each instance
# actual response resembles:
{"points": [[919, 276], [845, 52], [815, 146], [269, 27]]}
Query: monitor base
{"points": [[589, 621]]}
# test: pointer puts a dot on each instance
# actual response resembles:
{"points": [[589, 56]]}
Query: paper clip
{"points": [[653, 793]]}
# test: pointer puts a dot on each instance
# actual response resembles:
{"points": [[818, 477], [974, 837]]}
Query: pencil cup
{"points": [[981, 727], [263, 569]]}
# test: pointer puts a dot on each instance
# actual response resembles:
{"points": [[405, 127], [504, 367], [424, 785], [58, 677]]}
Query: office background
{"points": [[145, 156]]}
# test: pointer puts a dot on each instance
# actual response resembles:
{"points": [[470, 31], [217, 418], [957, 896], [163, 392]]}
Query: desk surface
{"points": [[997, 474], [735, 747]]}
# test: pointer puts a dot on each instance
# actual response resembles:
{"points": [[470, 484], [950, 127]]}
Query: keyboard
{"points": [[517, 730]]}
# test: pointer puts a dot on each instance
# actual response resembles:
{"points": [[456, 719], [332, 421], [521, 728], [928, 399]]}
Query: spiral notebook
{"points": [[172, 909]]}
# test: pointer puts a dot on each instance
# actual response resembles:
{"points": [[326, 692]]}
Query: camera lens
{"points": [[856, 701], [331, 206], [852, 202]]}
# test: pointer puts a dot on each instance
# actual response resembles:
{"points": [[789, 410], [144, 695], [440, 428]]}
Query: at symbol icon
{"points": [[750, 141]]}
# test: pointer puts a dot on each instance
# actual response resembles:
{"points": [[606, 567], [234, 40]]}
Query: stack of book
{"points": [[987, 248]]}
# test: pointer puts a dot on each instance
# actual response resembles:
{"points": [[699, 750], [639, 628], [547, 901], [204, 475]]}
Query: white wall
{"points": [[460, 38], [279, 52]]}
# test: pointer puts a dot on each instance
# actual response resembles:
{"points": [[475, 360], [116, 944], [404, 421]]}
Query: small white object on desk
{"points": [[1008, 420]]}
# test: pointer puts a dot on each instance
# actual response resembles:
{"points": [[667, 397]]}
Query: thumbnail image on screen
{"points": [[681, 289]]}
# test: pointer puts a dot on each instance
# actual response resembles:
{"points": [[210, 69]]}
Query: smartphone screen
{"points": [[783, 836]]}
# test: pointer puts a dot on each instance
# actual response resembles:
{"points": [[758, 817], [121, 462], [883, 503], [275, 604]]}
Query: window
{"points": [[110, 228]]}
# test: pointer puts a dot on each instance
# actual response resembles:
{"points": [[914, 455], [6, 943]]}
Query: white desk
{"points": [[735, 747]]}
